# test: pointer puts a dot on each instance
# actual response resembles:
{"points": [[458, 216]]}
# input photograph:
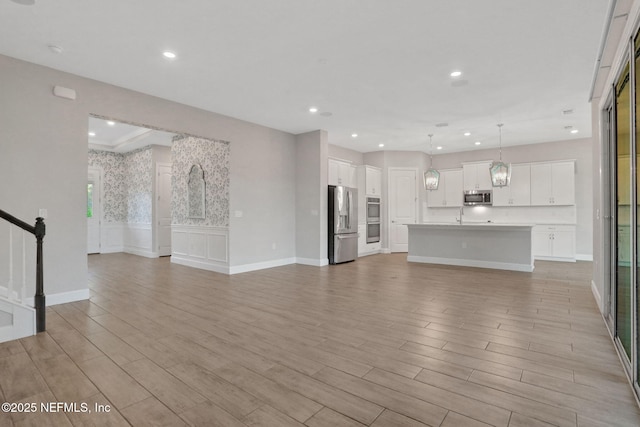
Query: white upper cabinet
{"points": [[342, 173], [476, 176], [553, 183], [518, 192], [373, 181], [449, 192]]}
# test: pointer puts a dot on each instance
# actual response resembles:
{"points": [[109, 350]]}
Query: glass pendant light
{"points": [[500, 171], [431, 176]]}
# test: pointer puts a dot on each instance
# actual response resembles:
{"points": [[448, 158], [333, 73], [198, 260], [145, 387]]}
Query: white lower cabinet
{"points": [[365, 248], [554, 242]]}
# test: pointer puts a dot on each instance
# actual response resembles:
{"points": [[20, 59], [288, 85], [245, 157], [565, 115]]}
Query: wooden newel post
{"points": [[39, 299]]}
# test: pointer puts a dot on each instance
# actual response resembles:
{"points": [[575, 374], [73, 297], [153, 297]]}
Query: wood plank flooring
{"points": [[379, 342]]}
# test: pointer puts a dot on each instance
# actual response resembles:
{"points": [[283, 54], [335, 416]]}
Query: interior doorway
{"points": [[403, 203], [163, 208]]}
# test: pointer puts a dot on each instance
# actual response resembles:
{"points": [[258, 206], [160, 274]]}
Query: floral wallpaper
{"points": [[114, 199], [138, 168], [213, 157], [127, 185]]}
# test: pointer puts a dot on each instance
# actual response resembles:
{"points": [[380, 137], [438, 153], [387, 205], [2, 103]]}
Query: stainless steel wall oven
{"points": [[373, 219]]}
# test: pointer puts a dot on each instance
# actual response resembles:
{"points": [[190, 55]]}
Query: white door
{"points": [[402, 207], [93, 211], [163, 208]]}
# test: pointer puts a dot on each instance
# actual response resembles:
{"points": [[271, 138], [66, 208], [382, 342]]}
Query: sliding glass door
{"points": [[622, 209]]}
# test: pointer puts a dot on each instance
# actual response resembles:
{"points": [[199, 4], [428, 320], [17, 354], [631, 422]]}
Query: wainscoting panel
{"points": [[112, 238], [138, 240], [201, 247]]}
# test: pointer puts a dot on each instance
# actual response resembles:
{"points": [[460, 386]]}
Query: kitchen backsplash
{"points": [[512, 215]]}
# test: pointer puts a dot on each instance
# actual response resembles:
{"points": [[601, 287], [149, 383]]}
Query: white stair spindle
{"points": [[23, 289], [10, 284]]}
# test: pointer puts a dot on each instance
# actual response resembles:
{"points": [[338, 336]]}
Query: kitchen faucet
{"points": [[459, 220]]}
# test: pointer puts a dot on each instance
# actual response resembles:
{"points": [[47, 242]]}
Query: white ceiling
{"points": [[123, 137], [379, 67]]}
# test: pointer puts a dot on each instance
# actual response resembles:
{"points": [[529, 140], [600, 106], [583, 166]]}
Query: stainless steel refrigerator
{"points": [[343, 224]]}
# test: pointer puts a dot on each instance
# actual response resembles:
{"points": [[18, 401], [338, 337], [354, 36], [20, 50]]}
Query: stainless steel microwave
{"points": [[478, 197]]}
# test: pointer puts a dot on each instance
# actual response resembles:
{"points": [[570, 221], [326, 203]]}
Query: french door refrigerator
{"points": [[343, 224]]}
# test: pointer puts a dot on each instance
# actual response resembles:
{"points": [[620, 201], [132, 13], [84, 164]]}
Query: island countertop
{"points": [[473, 244]]}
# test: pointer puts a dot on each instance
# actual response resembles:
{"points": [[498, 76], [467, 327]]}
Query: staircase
{"points": [[17, 319]]}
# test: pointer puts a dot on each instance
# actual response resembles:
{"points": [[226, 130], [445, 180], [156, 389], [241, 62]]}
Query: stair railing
{"points": [[38, 230]]}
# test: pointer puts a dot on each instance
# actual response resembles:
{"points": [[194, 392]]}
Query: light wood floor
{"points": [[377, 342]]}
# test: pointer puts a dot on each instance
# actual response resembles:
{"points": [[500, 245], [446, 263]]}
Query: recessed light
{"points": [[467, 133], [438, 148], [574, 131], [111, 123], [313, 109], [456, 74], [92, 134], [354, 135], [168, 54], [478, 143], [380, 145]]}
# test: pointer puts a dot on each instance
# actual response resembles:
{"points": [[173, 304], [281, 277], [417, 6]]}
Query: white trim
{"points": [[204, 247], [471, 263], [312, 261], [23, 321], [554, 258], [261, 265], [597, 297], [385, 251], [99, 172], [584, 257], [209, 266], [62, 297]]}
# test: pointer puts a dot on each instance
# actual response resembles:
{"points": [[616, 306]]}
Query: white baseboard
{"points": [[584, 257], [261, 265], [203, 265], [471, 263], [312, 261], [62, 297], [385, 250], [597, 296], [141, 252]]}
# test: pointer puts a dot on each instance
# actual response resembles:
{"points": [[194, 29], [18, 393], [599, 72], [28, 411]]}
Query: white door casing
{"points": [[403, 206], [94, 210], [163, 208]]}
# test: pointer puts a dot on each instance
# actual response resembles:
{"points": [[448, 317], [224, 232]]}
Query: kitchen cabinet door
{"points": [[553, 184], [554, 242], [453, 188], [563, 244], [373, 181], [520, 185], [476, 176], [541, 184], [341, 173], [449, 192], [563, 183]]}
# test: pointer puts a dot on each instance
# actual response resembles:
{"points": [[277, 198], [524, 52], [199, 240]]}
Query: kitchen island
{"points": [[486, 245]]}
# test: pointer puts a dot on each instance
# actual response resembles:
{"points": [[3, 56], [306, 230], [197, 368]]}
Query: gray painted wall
{"points": [[43, 164], [311, 197]]}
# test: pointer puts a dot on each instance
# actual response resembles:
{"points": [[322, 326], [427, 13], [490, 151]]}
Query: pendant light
{"points": [[500, 171], [431, 176]]}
